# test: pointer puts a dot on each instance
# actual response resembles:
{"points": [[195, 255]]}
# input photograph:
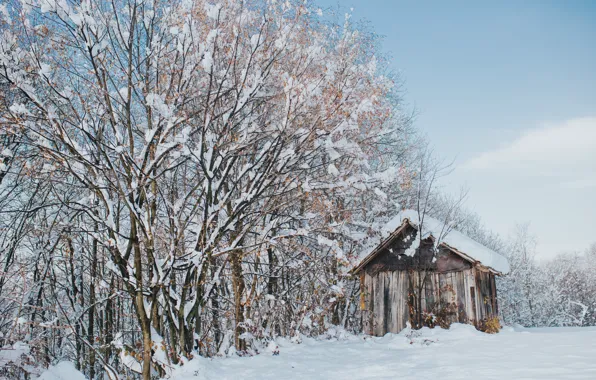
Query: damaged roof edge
{"points": [[406, 221], [380, 247]]}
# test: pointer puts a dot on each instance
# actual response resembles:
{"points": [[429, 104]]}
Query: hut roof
{"points": [[453, 240]]}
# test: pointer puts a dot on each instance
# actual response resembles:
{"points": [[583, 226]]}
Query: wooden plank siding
{"points": [[465, 296]]}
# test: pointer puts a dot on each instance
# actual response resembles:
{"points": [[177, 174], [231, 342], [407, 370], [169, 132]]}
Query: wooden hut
{"points": [[427, 275]]}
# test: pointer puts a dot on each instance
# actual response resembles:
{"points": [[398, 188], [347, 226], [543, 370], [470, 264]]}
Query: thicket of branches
{"points": [[553, 292], [184, 177]]}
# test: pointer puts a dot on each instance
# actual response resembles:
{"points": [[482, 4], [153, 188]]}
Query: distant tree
{"points": [[551, 292], [518, 288]]}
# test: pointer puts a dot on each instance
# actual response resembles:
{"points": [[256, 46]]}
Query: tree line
{"points": [[187, 177]]}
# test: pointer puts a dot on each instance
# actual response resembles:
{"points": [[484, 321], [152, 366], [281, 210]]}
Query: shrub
{"points": [[490, 325]]}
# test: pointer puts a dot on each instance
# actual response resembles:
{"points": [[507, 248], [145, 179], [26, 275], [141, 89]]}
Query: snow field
{"points": [[459, 353]]}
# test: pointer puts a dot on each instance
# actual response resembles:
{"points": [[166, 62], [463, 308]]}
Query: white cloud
{"points": [[543, 175], [566, 150]]}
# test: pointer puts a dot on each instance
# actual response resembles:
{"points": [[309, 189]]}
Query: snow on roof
{"points": [[452, 238]]}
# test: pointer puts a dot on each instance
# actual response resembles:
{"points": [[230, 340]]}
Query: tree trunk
{"points": [[146, 333], [239, 286], [142, 315], [91, 312]]}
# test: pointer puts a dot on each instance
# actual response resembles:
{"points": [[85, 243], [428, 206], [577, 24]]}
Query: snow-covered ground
{"points": [[458, 353]]}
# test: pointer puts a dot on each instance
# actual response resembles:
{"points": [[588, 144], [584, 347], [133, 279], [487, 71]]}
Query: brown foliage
{"points": [[490, 325]]}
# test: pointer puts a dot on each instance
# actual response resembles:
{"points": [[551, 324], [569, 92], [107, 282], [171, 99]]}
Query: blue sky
{"points": [[508, 90]]}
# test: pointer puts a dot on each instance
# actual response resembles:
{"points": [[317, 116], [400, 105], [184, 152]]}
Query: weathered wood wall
{"points": [[465, 296], [487, 295]]}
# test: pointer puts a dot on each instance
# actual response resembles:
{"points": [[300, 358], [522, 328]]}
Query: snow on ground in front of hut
{"points": [[458, 353]]}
